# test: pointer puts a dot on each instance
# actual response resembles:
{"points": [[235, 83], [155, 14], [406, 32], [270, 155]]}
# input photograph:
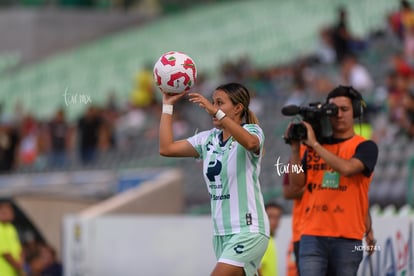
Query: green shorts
{"points": [[244, 250]]}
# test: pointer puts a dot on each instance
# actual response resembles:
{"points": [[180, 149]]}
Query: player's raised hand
{"points": [[202, 102], [171, 98]]}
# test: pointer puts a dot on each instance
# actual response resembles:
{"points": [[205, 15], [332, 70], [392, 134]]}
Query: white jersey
{"points": [[232, 177]]}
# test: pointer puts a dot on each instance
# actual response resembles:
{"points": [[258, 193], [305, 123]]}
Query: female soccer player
{"points": [[231, 154]]}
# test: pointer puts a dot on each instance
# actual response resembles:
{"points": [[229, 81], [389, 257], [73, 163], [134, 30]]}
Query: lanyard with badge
{"points": [[331, 178]]}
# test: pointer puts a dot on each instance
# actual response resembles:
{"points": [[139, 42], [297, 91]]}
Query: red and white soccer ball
{"points": [[175, 72]]}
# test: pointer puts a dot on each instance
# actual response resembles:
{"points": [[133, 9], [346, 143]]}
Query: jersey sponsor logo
{"points": [[315, 162], [214, 186], [209, 145], [324, 208], [312, 187], [320, 208], [214, 169], [318, 167], [239, 249], [219, 197], [338, 209]]}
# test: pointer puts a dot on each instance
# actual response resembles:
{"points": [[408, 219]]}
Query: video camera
{"points": [[316, 114]]}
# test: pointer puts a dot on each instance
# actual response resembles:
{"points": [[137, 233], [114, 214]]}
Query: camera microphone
{"points": [[290, 110]]}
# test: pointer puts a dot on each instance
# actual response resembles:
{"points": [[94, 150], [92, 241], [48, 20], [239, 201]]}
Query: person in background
{"points": [[59, 136], [355, 74], [9, 146], [89, 126], [299, 196], [337, 176], [269, 265], [11, 253], [41, 260]]}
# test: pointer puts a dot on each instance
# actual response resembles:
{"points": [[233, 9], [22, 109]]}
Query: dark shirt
{"points": [[58, 133], [89, 131]]}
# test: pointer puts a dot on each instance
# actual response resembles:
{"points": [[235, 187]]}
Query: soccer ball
{"points": [[175, 72]]}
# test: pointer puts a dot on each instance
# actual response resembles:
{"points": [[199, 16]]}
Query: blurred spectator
{"points": [[408, 46], [236, 71], [40, 257], [110, 116], [325, 51], [35, 263], [43, 145], [354, 74], [11, 253], [341, 35], [143, 93], [59, 133], [406, 17], [41, 261], [9, 146], [394, 20], [269, 264], [129, 125], [106, 137], [343, 41], [53, 266], [408, 104], [29, 141], [299, 94], [398, 63], [89, 126], [181, 124], [256, 104], [363, 127], [395, 99], [291, 267]]}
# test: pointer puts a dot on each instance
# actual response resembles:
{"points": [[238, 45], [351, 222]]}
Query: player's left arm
{"points": [[248, 140]]}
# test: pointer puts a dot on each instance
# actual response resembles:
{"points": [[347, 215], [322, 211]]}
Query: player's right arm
{"points": [[169, 147]]}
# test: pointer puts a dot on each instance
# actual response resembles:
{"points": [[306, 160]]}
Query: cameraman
{"points": [[337, 174]]}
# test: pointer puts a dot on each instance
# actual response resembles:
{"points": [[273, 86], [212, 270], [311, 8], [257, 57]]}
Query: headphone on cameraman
{"points": [[358, 103]]}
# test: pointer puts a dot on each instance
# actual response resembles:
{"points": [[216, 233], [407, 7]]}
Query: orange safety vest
{"points": [[339, 211]]}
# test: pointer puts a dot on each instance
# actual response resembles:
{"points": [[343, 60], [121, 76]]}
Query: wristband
{"points": [[220, 115], [167, 109]]}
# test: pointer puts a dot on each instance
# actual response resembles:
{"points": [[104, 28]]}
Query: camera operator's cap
{"points": [[358, 103]]}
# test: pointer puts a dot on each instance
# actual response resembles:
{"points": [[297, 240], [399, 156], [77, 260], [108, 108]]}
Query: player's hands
{"points": [[203, 103], [171, 98]]}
